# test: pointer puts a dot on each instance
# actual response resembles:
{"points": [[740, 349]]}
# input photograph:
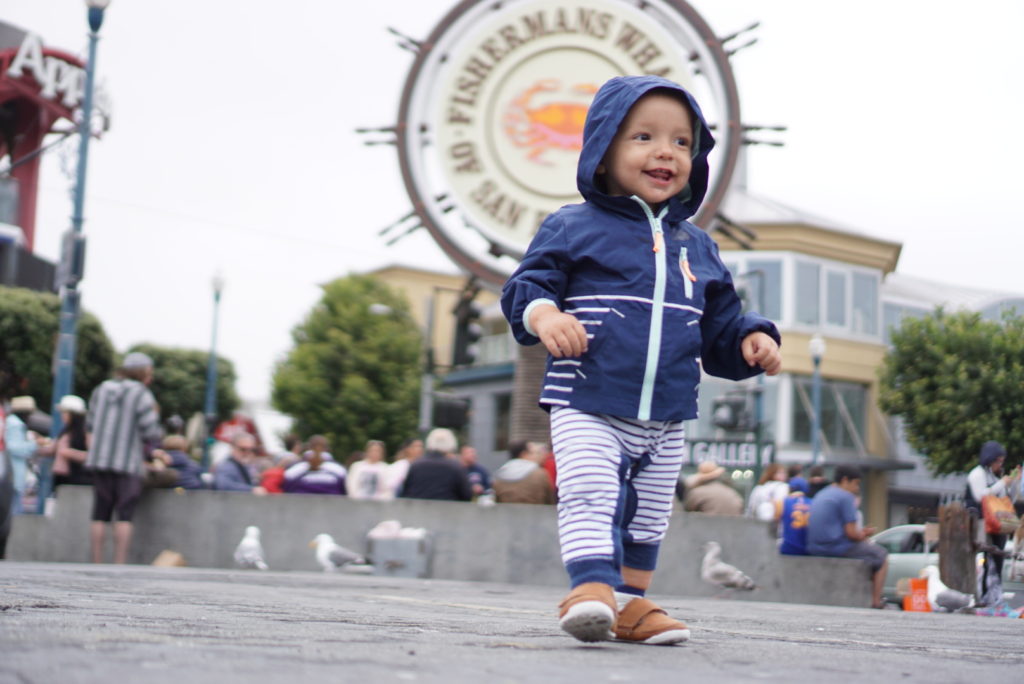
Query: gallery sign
{"points": [[728, 453], [491, 119]]}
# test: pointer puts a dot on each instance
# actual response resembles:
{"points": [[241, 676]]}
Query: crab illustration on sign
{"points": [[548, 125]]}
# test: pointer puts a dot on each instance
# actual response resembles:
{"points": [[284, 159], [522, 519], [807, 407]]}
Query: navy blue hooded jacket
{"points": [[649, 327]]}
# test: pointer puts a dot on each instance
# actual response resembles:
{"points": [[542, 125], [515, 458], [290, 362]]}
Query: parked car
{"points": [[907, 556]]}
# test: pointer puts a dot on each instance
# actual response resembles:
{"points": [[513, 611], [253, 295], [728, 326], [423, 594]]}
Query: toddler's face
{"points": [[651, 154]]}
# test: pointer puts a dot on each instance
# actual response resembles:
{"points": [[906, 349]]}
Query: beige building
{"points": [[432, 296], [813, 277]]}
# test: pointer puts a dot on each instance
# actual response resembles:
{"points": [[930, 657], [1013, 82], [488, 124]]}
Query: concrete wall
{"points": [[514, 543]]}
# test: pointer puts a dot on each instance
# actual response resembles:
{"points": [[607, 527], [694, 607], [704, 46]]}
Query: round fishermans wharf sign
{"points": [[491, 118]]}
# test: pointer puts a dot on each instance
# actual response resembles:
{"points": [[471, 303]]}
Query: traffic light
{"points": [[467, 330], [450, 412], [729, 412]]}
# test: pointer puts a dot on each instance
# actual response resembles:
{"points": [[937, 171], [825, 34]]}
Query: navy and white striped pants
{"points": [[616, 482]]}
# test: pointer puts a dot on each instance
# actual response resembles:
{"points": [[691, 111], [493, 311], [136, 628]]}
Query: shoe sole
{"points": [[667, 638], [589, 621]]}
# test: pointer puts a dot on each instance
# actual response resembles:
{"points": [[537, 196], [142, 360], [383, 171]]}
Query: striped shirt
{"points": [[122, 413]]}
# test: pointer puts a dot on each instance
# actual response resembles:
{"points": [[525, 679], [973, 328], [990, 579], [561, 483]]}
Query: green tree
{"points": [[353, 374], [179, 381], [957, 381], [28, 333]]}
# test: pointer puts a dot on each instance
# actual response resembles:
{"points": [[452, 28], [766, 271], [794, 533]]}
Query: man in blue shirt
{"points": [[833, 529]]}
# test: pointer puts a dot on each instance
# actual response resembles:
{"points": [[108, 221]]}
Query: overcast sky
{"points": [[232, 148]]}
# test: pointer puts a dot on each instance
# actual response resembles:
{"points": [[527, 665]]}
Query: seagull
{"points": [[714, 571], [332, 556], [249, 552], [941, 596]]}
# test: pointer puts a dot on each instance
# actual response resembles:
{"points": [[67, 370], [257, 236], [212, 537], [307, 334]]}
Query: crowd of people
{"points": [[435, 468], [99, 443], [116, 443]]}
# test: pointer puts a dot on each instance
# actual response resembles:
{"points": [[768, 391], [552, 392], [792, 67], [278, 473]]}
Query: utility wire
{"points": [[248, 230]]}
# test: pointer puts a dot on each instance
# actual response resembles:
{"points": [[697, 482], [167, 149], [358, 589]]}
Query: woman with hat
{"points": [[706, 493], [69, 460]]}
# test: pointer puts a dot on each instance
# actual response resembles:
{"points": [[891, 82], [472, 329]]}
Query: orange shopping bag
{"points": [[1000, 517], [917, 599]]}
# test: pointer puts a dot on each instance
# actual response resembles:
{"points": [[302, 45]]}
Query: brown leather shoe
{"points": [[642, 621], [588, 612]]}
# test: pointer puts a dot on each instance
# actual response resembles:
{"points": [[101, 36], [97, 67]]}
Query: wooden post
{"points": [[529, 422], [957, 567]]}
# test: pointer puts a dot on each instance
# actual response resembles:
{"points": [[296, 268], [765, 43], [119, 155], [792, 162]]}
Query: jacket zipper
{"points": [[657, 309]]}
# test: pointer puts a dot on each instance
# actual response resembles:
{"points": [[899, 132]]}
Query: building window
{"points": [[994, 312], [502, 420], [765, 280], [808, 292], [712, 389], [865, 303], [893, 316], [835, 294], [843, 413]]}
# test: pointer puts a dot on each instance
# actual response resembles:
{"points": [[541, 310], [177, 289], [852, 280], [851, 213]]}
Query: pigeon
{"points": [[942, 597], [714, 571], [249, 552], [332, 556]]}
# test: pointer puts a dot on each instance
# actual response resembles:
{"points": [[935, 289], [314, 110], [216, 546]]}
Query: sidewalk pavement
{"points": [[72, 623]]}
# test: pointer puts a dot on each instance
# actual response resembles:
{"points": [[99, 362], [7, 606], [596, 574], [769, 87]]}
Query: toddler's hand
{"points": [[761, 350], [561, 333]]}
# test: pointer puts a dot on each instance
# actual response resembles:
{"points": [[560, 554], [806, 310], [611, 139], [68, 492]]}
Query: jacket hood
{"points": [[116, 388], [990, 451], [515, 469], [610, 106]]}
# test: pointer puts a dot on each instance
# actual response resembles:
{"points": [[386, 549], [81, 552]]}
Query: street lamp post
{"points": [[426, 412], [210, 407], [817, 349], [759, 388], [71, 268]]}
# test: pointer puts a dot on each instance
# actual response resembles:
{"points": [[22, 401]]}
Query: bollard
{"points": [[957, 567]]}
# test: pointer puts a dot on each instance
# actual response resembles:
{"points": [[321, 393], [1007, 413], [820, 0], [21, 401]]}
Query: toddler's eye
{"points": [[642, 136], [682, 142]]}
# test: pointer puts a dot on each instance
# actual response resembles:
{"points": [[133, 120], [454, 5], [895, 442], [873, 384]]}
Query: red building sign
{"points": [[39, 86]]}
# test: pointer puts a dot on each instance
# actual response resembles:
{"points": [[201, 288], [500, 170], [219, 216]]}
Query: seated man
{"points": [[522, 478], [188, 473], [833, 528], [315, 474], [436, 474], [795, 513], [234, 474]]}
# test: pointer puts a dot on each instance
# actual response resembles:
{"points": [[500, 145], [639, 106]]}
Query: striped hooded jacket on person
{"points": [[122, 413], [653, 318]]}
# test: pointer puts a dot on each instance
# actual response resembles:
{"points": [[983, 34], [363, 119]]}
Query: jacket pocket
{"points": [[688, 277]]}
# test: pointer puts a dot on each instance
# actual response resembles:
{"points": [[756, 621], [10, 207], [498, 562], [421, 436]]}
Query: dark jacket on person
{"points": [[520, 480], [435, 476], [189, 472], [597, 261], [232, 476]]}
